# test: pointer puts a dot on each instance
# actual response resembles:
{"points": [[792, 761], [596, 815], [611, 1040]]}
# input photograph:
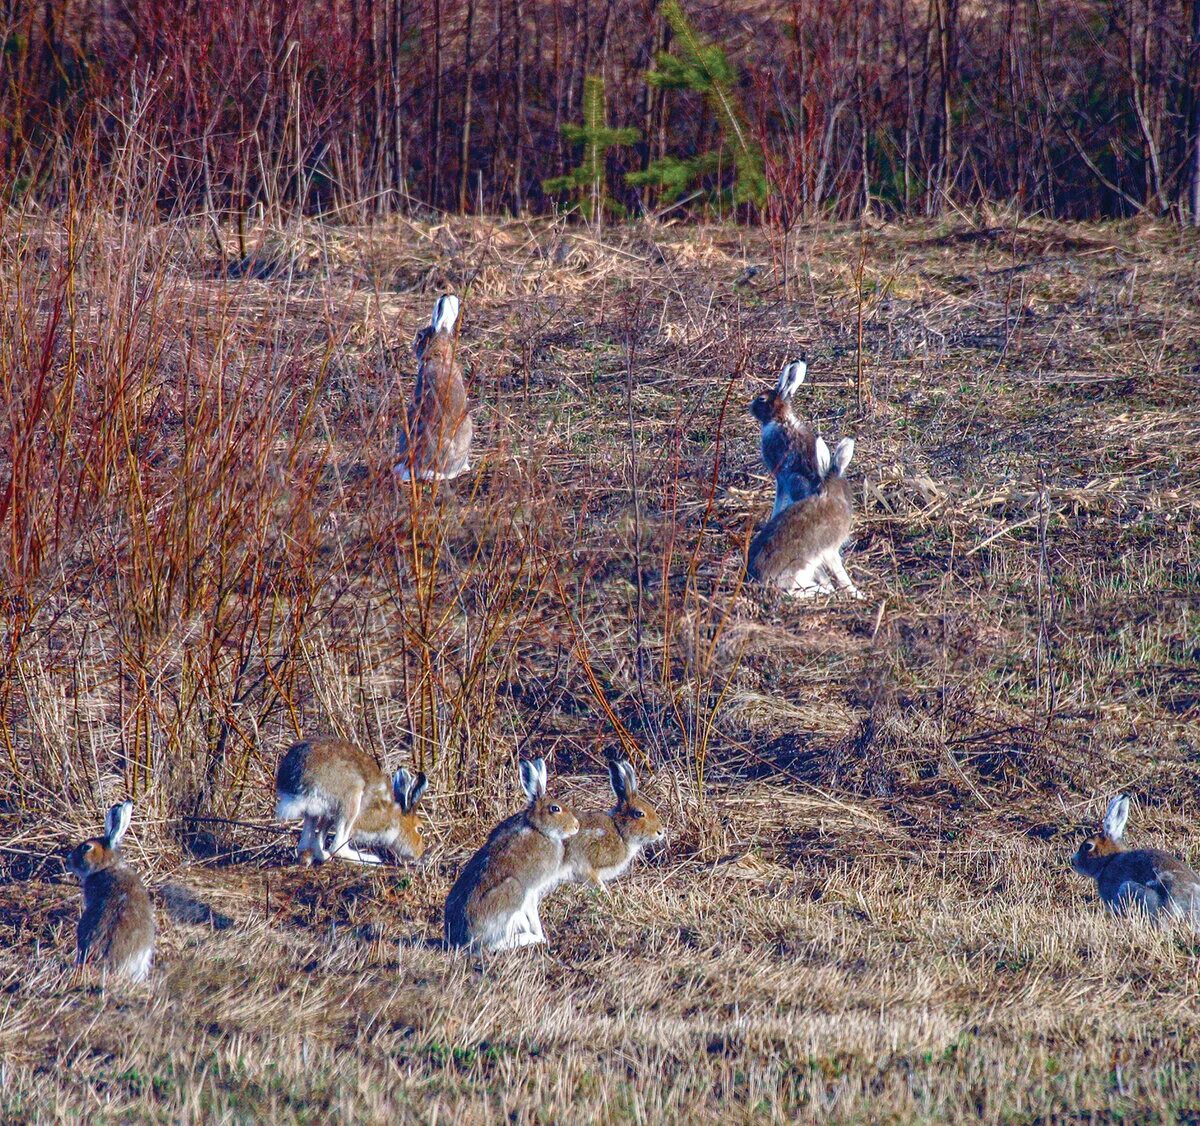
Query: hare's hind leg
{"points": [[810, 580], [1135, 898], [837, 570]]}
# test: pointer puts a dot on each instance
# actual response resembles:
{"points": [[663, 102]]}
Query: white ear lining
{"points": [[842, 454], [1115, 817], [821, 452], [791, 377], [116, 824], [445, 313]]}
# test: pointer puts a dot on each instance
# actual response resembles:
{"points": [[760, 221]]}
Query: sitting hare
{"points": [[788, 444], [799, 550], [607, 843], [1148, 880], [116, 929], [493, 904]]}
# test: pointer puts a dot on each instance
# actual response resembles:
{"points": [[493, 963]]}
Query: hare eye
{"points": [[637, 813], [1088, 846], [556, 809]]}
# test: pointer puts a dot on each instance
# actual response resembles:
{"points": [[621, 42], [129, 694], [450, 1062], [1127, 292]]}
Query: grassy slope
{"points": [[866, 912]]}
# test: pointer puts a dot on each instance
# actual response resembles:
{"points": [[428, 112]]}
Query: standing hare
{"points": [[788, 444], [436, 445], [1148, 880], [116, 929], [493, 904], [334, 785], [799, 550]]}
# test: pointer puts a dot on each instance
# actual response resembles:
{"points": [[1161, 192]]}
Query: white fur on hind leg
{"points": [[837, 570], [809, 581]]}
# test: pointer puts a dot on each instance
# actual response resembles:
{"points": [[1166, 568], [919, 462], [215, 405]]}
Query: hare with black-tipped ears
{"points": [[333, 785], [116, 930], [495, 902], [607, 843], [800, 548], [1145, 880], [436, 445]]}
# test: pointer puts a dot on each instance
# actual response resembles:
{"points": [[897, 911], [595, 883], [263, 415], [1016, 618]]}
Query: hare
{"points": [[788, 445], [334, 785], [116, 929], [493, 904], [799, 550], [437, 442], [607, 843], [1148, 880]]}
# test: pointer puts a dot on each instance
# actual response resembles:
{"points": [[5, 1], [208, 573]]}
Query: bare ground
{"points": [[864, 910]]}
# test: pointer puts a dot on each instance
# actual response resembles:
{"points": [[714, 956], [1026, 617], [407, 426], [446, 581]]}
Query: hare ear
{"points": [[821, 451], [616, 777], [445, 313], [842, 453], [791, 377], [116, 824], [1115, 817], [533, 779], [407, 789], [631, 783]]}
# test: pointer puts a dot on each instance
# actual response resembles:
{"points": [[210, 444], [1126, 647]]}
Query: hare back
{"points": [[439, 437], [801, 533], [1167, 882], [598, 847], [116, 928], [330, 770]]}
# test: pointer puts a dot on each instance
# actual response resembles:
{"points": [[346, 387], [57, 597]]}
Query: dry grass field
{"points": [[864, 910]]}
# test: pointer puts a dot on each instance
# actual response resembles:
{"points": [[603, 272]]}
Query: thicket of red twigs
{"points": [[1080, 108]]}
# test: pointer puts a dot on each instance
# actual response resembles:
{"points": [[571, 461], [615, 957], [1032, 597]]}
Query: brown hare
{"points": [[799, 550], [1146, 880], [332, 784], [116, 930], [788, 444], [493, 904], [437, 442], [607, 843]]}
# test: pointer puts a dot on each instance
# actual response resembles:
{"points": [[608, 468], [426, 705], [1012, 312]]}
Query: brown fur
{"points": [[1145, 879], [803, 531], [608, 842], [493, 903], [439, 428], [347, 785], [116, 930]]}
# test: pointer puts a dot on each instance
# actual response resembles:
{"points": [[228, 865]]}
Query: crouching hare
{"points": [[1146, 880], [607, 843], [494, 903], [332, 784], [116, 930]]}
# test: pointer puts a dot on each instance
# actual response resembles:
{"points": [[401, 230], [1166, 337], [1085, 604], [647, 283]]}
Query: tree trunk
{"points": [[435, 141], [1194, 71], [464, 160], [519, 114]]}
